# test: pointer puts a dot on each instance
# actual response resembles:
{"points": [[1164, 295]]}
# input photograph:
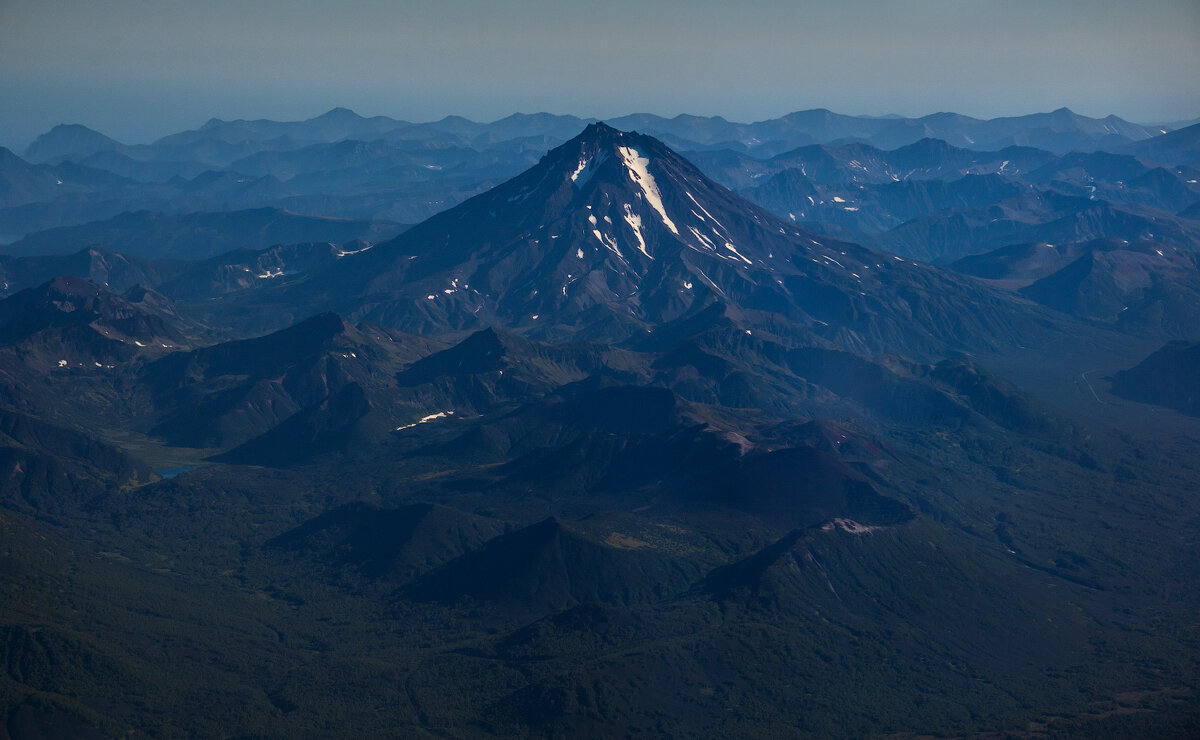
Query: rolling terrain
{"points": [[605, 447]]}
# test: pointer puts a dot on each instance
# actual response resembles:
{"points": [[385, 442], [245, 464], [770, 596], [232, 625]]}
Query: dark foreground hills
{"points": [[608, 449]]}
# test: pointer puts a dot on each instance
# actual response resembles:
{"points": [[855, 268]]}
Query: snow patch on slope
{"points": [[703, 239], [731, 248], [851, 527], [344, 253], [609, 244], [637, 165], [706, 213], [585, 170], [426, 419], [635, 222]]}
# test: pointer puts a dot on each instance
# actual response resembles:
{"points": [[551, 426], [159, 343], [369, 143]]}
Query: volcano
{"points": [[613, 236]]}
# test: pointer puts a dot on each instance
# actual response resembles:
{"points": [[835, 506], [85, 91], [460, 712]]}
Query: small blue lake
{"points": [[172, 472]]}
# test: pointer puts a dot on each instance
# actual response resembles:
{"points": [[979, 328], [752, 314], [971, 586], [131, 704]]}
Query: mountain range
{"points": [[1061, 130], [603, 446], [925, 190]]}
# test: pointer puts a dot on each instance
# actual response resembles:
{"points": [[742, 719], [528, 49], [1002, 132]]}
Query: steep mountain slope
{"points": [[1153, 290], [1020, 264], [1168, 377], [339, 423]]}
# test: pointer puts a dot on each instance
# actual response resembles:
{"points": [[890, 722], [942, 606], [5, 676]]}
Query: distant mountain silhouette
{"points": [[68, 142]]}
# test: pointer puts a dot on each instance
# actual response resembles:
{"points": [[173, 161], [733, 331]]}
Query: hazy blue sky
{"points": [[138, 69]]}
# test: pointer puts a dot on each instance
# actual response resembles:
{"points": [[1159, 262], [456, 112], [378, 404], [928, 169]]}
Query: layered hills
{"points": [[605, 447], [347, 166]]}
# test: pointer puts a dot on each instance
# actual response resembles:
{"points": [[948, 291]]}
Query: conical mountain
{"points": [[69, 141], [553, 565], [609, 223], [1168, 377], [613, 235]]}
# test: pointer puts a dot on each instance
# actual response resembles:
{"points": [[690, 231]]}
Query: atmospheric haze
{"points": [[137, 70]]}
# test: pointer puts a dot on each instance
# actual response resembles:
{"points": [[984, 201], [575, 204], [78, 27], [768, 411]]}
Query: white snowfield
{"points": [[426, 419], [731, 248], [587, 168], [639, 173], [850, 526], [343, 253]]}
